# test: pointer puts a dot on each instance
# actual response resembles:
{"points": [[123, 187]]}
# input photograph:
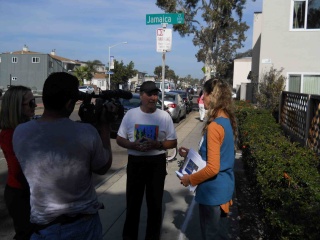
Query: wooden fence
{"points": [[299, 116]]}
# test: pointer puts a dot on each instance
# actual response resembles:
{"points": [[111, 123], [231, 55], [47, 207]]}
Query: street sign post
{"points": [[164, 40], [164, 35], [169, 18]]}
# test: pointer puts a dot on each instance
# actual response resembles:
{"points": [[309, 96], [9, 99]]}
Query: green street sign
{"points": [[169, 18]]}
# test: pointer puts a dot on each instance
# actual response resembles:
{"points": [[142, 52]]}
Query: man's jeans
{"points": [[86, 228]]}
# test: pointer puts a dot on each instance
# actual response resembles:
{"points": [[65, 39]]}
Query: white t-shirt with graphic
{"points": [[137, 124]]}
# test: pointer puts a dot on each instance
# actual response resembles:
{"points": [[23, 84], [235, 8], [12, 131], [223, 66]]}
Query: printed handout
{"points": [[192, 164]]}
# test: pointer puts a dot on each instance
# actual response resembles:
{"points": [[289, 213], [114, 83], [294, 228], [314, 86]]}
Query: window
{"points": [[14, 59], [304, 83], [294, 83], [305, 14], [35, 60]]}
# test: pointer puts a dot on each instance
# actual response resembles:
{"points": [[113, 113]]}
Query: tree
{"points": [[228, 76], [158, 71], [271, 85], [168, 73], [188, 81], [92, 68], [81, 74], [218, 34], [87, 72], [122, 74]]}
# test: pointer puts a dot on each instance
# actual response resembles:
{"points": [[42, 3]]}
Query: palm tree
{"points": [[81, 74], [92, 68], [87, 71]]}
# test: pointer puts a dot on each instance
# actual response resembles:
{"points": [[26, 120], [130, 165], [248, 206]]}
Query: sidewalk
{"points": [[180, 212]]}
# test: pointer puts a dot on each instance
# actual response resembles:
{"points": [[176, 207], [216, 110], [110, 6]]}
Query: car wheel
{"points": [[185, 114], [189, 109], [177, 120]]}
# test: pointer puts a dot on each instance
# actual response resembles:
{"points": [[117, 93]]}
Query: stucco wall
{"points": [[241, 69], [282, 47]]}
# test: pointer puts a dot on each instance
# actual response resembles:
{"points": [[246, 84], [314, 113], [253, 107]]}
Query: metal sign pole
{"points": [[163, 73], [164, 25]]}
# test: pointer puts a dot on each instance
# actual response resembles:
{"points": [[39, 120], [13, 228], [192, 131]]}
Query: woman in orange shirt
{"points": [[215, 182]]}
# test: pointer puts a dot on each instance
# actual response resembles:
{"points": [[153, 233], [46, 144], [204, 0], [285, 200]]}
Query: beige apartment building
{"points": [[286, 35]]}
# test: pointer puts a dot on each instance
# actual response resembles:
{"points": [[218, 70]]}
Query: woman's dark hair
{"points": [[58, 89]]}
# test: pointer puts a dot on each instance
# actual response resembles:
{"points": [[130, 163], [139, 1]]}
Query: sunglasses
{"points": [[31, 103], [149, 94]]}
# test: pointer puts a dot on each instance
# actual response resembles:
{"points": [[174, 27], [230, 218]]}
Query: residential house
{"points": [[286, 36], [241, 83], [136, 80], [30, 68], [99, 80]]}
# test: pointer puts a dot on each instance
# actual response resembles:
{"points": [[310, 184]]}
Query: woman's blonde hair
{"points": [[11, 107], [220, 94]]}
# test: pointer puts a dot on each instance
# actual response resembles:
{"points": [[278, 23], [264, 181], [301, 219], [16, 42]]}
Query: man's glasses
{"points": [[31, 103]]}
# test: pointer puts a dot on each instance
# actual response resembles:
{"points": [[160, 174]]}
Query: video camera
{"points": [[90, 113]]}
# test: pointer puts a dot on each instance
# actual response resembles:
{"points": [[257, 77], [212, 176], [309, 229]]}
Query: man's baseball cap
{"points": [[149, 86]]}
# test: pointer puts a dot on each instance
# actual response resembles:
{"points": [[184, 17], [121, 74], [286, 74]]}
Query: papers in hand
{"points": [[193, 163]]}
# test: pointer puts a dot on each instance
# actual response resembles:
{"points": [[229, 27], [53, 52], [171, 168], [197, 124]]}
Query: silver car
{"points": [[86, 89], [175, 104]]}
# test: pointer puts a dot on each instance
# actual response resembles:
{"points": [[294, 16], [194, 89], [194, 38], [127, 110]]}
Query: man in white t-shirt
{"points": [[146, 132]]}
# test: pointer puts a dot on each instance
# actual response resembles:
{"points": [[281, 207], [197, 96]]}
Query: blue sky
{"points": [[84, 30]]}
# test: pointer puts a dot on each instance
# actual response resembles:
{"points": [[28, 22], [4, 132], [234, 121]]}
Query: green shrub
{"points": [[285, 175], [271, 85]]}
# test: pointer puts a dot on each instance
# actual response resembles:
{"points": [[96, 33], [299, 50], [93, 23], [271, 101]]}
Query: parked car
{"points": [[137, 90], [86, 89], [187, 98], [168, 86], [176, 105]]}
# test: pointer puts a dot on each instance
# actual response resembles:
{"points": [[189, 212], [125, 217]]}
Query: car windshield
{"points": [[83, 87], [183, 94], [170, 97]]}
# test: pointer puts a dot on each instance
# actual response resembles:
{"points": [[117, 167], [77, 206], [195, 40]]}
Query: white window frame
{"points": [[14, 59], [305, 17], [35, 60], [302, 74]]}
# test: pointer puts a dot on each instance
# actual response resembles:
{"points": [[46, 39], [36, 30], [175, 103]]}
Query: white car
{"points": [[86, 89], [175, 104]]}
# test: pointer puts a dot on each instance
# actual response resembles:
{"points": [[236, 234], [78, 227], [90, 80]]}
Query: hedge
{"points": [[285, 175]]}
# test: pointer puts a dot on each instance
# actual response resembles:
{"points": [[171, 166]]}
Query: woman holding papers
{"points": [[216, 180]]}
